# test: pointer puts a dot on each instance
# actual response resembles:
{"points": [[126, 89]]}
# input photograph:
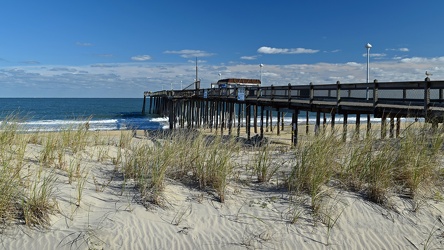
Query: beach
{"points": [[97, 205]]}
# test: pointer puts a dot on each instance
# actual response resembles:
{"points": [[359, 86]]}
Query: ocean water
{"points": [[52, 114]]}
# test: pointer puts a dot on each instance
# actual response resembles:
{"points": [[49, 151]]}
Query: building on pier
{"points": [[236, 82]]}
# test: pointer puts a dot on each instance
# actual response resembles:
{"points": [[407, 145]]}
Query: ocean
{"points": [[52, 114]]}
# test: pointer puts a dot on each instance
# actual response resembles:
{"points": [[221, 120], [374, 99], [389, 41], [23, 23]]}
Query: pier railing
{"points": [[417, 98], [215, 107]]}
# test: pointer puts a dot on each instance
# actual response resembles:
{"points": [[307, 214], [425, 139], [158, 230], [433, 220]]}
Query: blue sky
{"points": [[116, 48]]}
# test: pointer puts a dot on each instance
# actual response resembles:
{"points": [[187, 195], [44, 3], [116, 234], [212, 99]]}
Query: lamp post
{"points": [[260, 72], [368, 47]]}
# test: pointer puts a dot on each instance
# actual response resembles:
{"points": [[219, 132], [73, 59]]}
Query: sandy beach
{"points": [[101, 208]]}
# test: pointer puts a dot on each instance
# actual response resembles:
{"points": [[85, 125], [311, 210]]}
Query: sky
{"points": [[117, 48]]}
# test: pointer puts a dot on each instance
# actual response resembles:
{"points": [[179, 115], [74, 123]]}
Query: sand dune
{"points": [[254, 216]]}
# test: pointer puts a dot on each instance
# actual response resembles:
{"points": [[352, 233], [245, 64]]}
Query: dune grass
{"points": [[182, 156], [409, 165], [316, 163]]}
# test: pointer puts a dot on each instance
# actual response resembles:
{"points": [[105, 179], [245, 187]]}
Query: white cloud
{"points": [[188, 53], [400, 49], [249, 58], [141, 58], [270, 50], [375, 55], [353, 64]]}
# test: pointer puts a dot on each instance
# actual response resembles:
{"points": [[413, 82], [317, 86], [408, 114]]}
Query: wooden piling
{"points": [[358, 126], [262, 122], [255, 118], [344, 127], [294, 127], [248, 121], [383, 126], [392, 127], [239, 118], [318, 123]]}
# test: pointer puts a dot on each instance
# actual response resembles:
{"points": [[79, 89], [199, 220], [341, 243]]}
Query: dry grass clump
{"points": [[375, 167], [11, 194], [28, 194], [39, 202], [18, 198], [316, 164], [409, 164], [418, 160], [183, 156], [263, 164]]}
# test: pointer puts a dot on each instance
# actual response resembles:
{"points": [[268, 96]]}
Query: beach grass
{"points": [[318, 166]]}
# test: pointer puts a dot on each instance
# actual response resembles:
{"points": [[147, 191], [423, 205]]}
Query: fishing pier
{"points": [[226, 109]]}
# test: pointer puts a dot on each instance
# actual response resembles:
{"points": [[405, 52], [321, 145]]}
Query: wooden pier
{"points": [[225, 109]]}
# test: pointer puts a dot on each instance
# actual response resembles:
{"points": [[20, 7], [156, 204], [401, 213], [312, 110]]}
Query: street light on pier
{"points": [[368, 46], [260, 72]]}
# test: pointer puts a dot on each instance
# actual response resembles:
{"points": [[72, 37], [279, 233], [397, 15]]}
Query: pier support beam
{"points": [[262, 122], [344, 127], [369, 125], [144, 103], [383, 126], [392, 127], [294, 128], [318, 123], [248, 121], [358, 126], [282, 121], [255, 118], [239, 119]]}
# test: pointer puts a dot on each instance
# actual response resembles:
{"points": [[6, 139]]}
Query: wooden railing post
{"points": [[311, 92], [375, 93], [289, 94], [338, 93], [426, 97], [272, 92]]}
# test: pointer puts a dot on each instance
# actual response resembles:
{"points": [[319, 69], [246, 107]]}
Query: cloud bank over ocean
{"points": [[131, 79]]}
